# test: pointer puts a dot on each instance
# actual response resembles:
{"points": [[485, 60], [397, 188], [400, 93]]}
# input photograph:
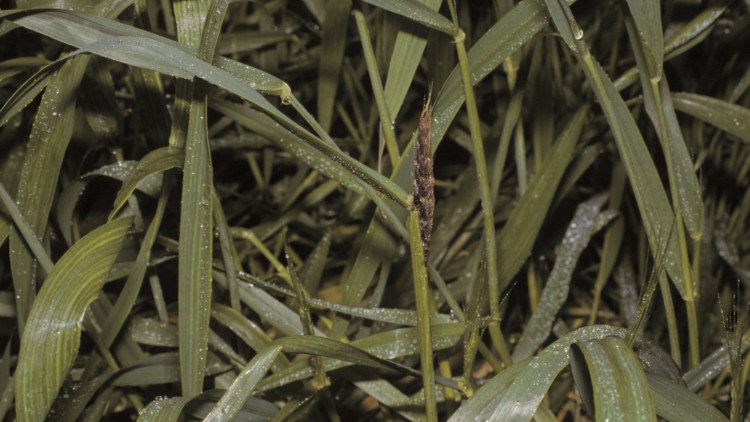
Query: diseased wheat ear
{"points": [[424, 179]]}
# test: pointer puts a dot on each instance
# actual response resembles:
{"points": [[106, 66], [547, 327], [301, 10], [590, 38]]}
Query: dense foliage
{"points": [[207, 209]]}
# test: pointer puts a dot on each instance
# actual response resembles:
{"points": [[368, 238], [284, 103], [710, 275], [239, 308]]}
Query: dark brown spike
{"points": [[424, 178]]}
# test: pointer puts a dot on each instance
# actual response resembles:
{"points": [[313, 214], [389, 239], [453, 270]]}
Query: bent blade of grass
{"points": [[30, 88], [611, 380], [577, 236], [731, 118], [514, 394], [517, 237], [156, 161], [70, 195], [51, 338]]}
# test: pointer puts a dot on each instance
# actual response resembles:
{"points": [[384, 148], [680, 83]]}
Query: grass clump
{"points": [[374, 210]]}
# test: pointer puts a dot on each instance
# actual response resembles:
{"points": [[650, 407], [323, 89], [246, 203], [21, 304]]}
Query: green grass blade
{"points": [[331, 58], [50, 341], [388, 315], [124, 304], [647, 17], [424, 314], [7, 386], [580, 230], [675, 403], [390, 344], [164, 410], [15, 66], [709, 368], [569, 31], [189, 128], [316, 262], [407, 52], [517, 237], [146, 50], [683, 181], [378, 245], [48, 142], [731, 118], [28, 90], [386, 119], [694, 32], [654, 208], [33, 242], [612, 377], [246, 330], [687, 37], [647, 187], [279, 316], [230, 258], [505, 37], [256, 369], [346, 171], [689, 191], [156, 161], [515, 394], [231, 402], [418, 12], [68, 199]]}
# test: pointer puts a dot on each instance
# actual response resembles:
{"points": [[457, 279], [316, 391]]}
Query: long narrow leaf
{"points": [[726, 116], [653, 205], [50, 341], [608, 373], [577, 236]]}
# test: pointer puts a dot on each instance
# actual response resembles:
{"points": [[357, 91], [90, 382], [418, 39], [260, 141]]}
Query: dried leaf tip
{"points": [[424, 178]]}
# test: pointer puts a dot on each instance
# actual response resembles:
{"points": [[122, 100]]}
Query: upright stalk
{"points": [[422, 294], [488, 220]]}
